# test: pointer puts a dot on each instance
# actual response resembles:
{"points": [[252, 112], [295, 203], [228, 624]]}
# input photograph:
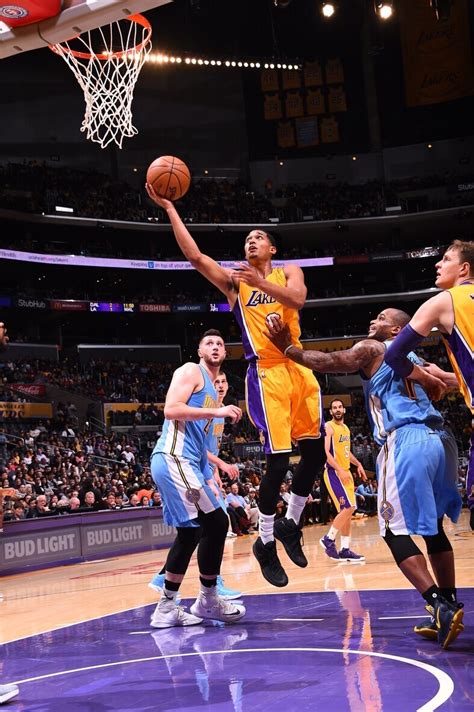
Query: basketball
{"points": [[169, 176]]}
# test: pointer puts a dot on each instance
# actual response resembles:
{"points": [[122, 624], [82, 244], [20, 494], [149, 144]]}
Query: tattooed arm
{"points": [[361, 355]]}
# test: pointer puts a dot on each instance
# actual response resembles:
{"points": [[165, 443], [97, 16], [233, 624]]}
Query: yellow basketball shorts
{"points": [[284, 402], [342, 494]]}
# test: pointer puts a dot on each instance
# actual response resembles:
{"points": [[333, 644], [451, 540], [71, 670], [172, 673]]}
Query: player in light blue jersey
{"points": [[416, 466], [180, 469], [212, 444]]}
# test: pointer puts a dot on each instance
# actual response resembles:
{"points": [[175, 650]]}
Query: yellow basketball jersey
{"points": [[460, 343], [340, 447], [251, 309]]}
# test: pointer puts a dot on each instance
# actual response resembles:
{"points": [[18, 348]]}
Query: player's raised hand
{"points": [[247, 274], [153, 195], [229, 411]]}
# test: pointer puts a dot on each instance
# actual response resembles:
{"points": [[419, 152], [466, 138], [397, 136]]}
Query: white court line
{"points": [[446, 685], [298, 619], [69, 625], [396, 618]]}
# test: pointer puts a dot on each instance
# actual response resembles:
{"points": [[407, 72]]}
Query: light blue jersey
{"points": [[214, 439], [179, 464], [417, 463], [393, 402], [187, 438]]}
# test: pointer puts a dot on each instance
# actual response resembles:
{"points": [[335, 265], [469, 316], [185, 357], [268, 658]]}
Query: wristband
{"points": [[287, 349]]}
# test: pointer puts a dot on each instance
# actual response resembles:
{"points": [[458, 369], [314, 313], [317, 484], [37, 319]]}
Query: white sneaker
{"points": [[231, 535], [217, 609], [168, 615], [8, 692]]}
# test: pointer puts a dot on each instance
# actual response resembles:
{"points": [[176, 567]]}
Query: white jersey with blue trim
{"points": [[393, 402], [187, 438]]}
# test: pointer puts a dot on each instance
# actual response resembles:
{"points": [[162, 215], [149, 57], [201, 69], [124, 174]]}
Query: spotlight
{"points": [[384, 9], [328, 9], [282, 4], [442, 9]]}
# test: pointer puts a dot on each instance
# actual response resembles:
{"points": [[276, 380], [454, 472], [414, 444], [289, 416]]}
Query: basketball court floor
{"points": [[339, 637]]}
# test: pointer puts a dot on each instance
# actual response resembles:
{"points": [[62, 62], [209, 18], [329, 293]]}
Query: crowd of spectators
{"points": [[38, 187]]}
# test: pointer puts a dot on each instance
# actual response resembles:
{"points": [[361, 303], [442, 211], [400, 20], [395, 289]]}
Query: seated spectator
{"points": [[90, 504], [40, 508], [238, 510], [155, 500]]}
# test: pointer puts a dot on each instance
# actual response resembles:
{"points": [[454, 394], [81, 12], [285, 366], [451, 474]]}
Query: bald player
{"points": [[416, 465]]}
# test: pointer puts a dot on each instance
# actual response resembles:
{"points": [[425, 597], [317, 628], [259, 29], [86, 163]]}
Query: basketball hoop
{"points": [[108, 75]]}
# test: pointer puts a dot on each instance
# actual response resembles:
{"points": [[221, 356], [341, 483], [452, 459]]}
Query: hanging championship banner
{"points": [[334, 71], [313, 74], [437, 56], [272, 107]]}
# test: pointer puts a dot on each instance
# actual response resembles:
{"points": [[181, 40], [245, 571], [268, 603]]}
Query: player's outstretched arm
{"points": [[361, 356], [204, 264]]}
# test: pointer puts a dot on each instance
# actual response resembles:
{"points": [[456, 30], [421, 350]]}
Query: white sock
{"points": [[265, 527], [332, 533], [169, 595], [295, 507], [208, 591], [345, 542]]}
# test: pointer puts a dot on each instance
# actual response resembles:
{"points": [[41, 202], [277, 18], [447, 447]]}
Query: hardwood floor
{"points": [[41, 601]]}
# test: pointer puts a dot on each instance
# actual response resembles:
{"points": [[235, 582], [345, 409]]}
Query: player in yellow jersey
{"points": [[283, 398], [340, 484]]}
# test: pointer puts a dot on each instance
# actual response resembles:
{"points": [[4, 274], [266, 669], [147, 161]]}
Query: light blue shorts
{"points": [[416, 474], [183, 490]]}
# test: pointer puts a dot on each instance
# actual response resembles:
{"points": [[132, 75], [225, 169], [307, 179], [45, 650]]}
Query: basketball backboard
{"points": [[74, 18]]}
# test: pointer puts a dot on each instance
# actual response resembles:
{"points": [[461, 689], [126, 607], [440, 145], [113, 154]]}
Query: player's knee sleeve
{"points": [[179, 556], [439, 542], [402, 546], [211, 546], [277, 467], [313, 457]]}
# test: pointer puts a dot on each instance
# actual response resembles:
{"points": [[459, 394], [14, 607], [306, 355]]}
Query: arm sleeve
{"points": [[396, 355]]}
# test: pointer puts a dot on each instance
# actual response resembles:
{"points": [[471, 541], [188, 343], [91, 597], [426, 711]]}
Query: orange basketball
{"points": [[169, 176]]}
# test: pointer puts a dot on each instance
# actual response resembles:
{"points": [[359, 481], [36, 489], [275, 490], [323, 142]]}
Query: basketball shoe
{"points": [[290, 535], [228, 594], [8, 692], [350, 556], [329, 546], [209, 605], [157, 582], [267, 557], [168, 615], [448, 620]]}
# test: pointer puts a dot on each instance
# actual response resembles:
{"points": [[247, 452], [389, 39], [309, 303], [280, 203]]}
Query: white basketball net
{"points": [[108, 74]]}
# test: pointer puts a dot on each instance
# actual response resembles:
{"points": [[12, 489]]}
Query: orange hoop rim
{"points": [[106, 56]]}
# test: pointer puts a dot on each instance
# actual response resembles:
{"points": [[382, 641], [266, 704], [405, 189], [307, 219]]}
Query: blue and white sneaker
{"points": [[228, 594], [157, 583]]}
